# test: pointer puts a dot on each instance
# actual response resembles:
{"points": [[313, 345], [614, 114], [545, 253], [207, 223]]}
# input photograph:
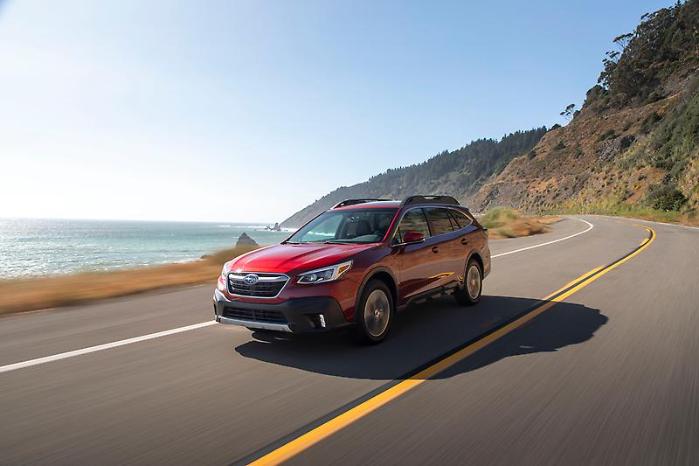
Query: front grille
{"points": [[267, 285], [254, 315]]}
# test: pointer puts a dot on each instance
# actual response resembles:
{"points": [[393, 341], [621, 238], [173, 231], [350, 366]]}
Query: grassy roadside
{"points": [[505, 222], [619, 209], [28, 294]]}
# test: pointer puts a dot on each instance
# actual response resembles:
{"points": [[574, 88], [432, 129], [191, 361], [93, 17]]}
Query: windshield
{"points": [[346, 226]]}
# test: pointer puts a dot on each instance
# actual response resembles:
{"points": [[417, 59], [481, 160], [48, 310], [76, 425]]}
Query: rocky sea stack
{"points": [[245, 240]]}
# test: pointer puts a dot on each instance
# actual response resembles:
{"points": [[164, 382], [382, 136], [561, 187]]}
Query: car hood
{"points": [[292, 258]]}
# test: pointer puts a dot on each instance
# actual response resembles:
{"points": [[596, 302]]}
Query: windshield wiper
{"points": [[337, 242]]}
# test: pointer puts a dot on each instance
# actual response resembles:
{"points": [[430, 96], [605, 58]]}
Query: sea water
{"points": [[37, 247]]}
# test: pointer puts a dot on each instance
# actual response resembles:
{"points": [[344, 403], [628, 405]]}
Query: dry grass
{"points": [[29, 294], [504, 222]]}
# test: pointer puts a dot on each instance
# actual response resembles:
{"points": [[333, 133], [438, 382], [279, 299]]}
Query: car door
{"points": [[445, 237], [417, 260], [468, 237]]}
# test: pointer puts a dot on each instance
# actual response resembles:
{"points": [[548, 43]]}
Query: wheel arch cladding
{"points": [[478, 259], [387, 279]]}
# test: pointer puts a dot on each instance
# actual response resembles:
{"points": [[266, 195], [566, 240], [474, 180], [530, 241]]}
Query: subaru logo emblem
{"points": [[250, 279]]}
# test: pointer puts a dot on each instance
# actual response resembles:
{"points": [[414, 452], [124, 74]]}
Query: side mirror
{"points": [[411, 237]]}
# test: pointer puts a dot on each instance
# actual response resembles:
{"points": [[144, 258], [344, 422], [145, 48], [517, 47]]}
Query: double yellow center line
{"points": [[297, 445]]}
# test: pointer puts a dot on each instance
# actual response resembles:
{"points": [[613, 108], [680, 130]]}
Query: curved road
{"points": [[604, 372]]}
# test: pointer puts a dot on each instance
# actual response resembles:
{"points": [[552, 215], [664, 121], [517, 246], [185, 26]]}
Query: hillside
{"points": [[635, 142], [459, 173], [632, 147]]}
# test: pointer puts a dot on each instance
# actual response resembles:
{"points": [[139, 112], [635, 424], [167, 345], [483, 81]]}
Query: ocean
{"points": [[39, 247]]}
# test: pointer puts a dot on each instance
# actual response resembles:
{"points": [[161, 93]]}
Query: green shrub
{"points": [[498, 216], [649, 122], [676, 137], [665, 197], [626, 141]]}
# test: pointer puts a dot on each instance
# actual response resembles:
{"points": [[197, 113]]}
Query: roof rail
{"points": [[413, 200], [347, 202]]}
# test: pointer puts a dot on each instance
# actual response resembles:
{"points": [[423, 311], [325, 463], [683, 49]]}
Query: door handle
{"points": [[464, 241], [435, 249]]}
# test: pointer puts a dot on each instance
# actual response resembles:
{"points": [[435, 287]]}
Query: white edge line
{"points": [[164, 333], [589, 227], [93, 349]]}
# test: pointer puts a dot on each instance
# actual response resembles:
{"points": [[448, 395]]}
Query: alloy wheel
{"points": [[377, 313], [473, 282]]}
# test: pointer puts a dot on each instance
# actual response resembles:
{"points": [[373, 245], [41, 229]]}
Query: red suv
{"points": [[357, 264]]}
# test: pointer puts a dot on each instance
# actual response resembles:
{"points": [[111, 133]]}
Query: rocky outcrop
{"points": [[245, 240]]}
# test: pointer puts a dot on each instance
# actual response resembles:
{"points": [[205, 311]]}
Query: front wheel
{"points": [[374, 314], [470, 293]]}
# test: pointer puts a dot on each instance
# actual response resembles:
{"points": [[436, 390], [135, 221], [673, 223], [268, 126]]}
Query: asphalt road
{"points": [[609, 375]]}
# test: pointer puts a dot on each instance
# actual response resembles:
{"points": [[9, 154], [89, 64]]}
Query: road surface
{"points": [[606, 372]]}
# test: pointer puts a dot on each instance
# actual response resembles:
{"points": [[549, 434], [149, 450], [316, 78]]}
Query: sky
{"points": [[246, 111]]}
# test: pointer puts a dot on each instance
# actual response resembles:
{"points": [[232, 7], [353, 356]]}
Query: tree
{"points": [[665, 42], [569, 112], [623, 40]]}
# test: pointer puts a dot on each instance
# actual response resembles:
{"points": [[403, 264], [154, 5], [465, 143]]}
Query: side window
{"points": [[413, 220], [460, 218], [440, 220]]}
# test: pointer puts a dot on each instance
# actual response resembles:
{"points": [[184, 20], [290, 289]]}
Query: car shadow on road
{"points": [[424, 332]]}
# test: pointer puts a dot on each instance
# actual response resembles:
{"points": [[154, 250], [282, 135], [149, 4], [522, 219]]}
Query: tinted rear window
{"points": [[440, 220], [460, 218]]}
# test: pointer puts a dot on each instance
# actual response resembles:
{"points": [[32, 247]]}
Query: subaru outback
{"points": [[357, 265]]}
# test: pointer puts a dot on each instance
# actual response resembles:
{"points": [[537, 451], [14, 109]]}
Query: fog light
{"points": [[317, 320]]}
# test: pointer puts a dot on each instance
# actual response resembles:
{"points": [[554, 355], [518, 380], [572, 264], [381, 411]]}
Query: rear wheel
{"points": [[470, 293], [374, 314]]}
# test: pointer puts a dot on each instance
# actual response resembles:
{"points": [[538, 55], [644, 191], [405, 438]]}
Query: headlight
{"points": [[222, 283], [326, 274]]}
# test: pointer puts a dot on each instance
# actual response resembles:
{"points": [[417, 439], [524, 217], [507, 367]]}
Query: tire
{"points": [[375, 313], [470, 293]]}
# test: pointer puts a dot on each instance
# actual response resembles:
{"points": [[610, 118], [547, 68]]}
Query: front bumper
{"points": [[298, 315]]}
